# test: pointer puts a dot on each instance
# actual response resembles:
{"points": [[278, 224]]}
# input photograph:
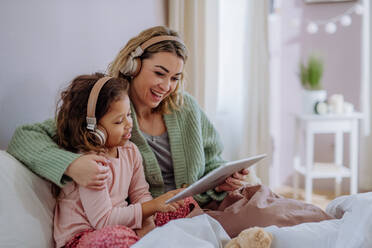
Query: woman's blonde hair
{"points": [[175, 99]]}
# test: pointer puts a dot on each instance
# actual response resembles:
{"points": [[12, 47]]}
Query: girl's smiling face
{"points": [[118, 122], [158, 78]]}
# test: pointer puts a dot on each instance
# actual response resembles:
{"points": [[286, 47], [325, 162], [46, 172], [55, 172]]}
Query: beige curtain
{"points": [[191, 19], [186, 17], [243, 125], [256, 101]]}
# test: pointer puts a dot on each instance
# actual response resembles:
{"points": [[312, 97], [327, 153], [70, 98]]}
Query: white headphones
{"points": [[133, 65], [99, 131]]}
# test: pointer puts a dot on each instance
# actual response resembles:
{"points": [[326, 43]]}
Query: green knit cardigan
{"points": [[194, 143]]}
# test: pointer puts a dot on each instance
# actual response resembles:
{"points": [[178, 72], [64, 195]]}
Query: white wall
{"points": [[46, 43]]}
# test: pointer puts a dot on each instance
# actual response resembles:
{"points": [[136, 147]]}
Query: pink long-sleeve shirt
{"points": [[79, 208]]}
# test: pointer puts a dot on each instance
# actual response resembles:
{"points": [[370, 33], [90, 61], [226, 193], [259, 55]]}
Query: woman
{"points": [[178, 143]]}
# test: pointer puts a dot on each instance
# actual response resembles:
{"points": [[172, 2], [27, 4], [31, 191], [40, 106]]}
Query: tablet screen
{"points": [[216, 177]]}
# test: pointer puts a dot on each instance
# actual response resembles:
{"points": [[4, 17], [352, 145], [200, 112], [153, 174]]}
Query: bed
{"points": [[26, 217]]}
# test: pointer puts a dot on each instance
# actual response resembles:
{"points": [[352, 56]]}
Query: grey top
{"points": [[161, 147]]}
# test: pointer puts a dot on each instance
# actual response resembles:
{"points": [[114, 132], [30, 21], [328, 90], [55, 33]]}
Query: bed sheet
{"points": [[351, 229], [201, 231]]}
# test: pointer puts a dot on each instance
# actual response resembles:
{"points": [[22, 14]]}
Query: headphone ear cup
{"points": [[131, 67], [136, 66], [101, 134]]}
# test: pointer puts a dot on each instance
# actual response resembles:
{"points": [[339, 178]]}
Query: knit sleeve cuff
{"points": [[208, 196], [217, 196]]}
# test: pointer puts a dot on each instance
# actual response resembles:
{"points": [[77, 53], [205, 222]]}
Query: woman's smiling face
{"points": [[158, 78]]}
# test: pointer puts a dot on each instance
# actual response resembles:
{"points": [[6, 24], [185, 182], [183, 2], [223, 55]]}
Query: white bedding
{"points": [[356, 229], [201, 231], [26, 208], [352, 230]]}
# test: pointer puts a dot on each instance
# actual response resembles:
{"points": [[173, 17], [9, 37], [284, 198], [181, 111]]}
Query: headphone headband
{"points": [[158, 39], [133, 64], [92, 101]]}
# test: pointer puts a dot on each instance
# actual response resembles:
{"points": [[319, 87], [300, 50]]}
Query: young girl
{"points": [[95, 117]]}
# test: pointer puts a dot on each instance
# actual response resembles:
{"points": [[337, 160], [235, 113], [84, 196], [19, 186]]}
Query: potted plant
{"points": [[310, 76]]}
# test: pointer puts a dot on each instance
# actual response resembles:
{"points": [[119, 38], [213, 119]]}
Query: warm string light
{"points": [[330, 25]]}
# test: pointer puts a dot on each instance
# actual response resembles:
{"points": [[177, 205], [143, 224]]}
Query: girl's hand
{"points": [[160, 201], [158, 204], [89, 171], [234, 182]]}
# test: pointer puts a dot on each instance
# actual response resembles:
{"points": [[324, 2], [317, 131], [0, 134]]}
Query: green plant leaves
{"points": [[311, 74]]}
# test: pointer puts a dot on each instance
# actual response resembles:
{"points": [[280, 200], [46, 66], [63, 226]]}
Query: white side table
{"points": [[331, 124]]}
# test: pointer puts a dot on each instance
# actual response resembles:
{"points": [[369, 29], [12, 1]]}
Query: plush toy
{"points": [[254, 237]]}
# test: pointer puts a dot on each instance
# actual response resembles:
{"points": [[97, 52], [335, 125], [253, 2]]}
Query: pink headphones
{"points": [[133, 65], [92, 125]]}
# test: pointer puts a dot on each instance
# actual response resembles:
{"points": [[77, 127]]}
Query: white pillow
{"points": [[353, 229], [306, 235], [357, 225], [26, 206]]}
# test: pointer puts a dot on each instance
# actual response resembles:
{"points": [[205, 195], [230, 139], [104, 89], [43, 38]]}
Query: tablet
{"points": [[216, 177]]}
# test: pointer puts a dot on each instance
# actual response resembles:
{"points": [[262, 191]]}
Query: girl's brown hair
{"points": [[71, 112], [174, 100]]}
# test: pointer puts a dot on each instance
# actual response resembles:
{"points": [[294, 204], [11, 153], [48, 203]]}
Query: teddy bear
{"points": [[255, 237]]}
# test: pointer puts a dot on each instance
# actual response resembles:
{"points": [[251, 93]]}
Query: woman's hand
{"points": [[89, 171], [158, 204], [234, 182]]}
